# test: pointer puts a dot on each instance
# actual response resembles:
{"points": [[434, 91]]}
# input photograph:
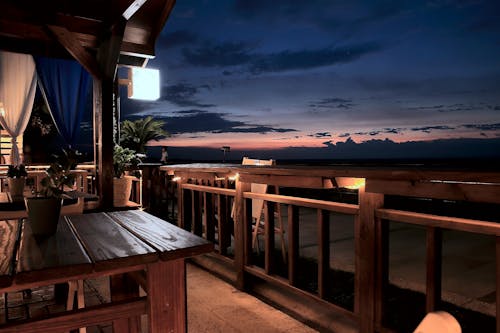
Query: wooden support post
{"points": [[498, 281], [247, 232], [434, 246], [180, 202], [293, 243], [103, 114], [123, 287], [222, 225], [268, 237], [382, 277], [196, 213], [239, 233], [365, 258], [208, 205], [323, 252], [167, 311], [187, 210]]}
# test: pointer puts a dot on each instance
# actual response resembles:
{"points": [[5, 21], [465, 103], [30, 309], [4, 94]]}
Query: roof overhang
{"points": [[84, 29]]}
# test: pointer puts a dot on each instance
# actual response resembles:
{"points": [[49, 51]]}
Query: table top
{"points": [[96, 243]]}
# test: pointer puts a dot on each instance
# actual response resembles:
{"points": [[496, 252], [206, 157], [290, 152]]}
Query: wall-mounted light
{"points": [[2, 110], [350, 182], [142, 83]]}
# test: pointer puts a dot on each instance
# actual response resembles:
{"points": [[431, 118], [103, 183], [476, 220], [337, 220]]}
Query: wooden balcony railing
{"points": [[214, 201]]}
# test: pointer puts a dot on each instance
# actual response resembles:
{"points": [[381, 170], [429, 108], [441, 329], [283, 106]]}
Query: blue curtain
{"points": [[66, 86]]}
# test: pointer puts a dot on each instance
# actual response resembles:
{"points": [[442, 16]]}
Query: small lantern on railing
{"points": [[350, 182]]}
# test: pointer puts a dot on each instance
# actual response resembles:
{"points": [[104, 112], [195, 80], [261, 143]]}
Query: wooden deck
{"points": [[213, 201]]}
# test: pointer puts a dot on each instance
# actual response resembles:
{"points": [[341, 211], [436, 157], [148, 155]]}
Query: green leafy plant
{"points": [[136, 134], [124, 159], [17, 171], [59, 174]]}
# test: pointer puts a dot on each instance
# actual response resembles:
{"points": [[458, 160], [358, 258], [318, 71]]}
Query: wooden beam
{"points": [[438, 190], [75, 319], [304, 181], [71, 44], [103, 115], [365, 260], [109, 50], [332, 206], [445, 222]]}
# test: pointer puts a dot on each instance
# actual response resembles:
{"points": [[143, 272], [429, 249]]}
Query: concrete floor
{"points": [[213, 306], [469, 260]]}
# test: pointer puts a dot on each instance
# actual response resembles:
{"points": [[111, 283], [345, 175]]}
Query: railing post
{"points": [[497, 250], [181, 209], [434, 251], [293, 243], [323, 220], [365, 248], [239, 233]]}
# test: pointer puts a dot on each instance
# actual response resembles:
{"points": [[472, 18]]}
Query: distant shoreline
{"points": [[480, 164]]}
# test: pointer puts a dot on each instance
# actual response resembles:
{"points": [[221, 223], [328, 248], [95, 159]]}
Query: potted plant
{"points": [[16, 179], [44, 208], [124, 160]]}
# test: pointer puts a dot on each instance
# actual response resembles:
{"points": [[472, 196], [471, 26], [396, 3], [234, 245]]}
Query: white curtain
{"points": [[17, 93]]}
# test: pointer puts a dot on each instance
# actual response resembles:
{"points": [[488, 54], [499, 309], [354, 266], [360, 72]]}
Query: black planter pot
{"points": [[43, 215]]}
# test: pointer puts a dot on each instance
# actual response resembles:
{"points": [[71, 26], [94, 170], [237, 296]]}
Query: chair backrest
{"points": [[257, 204]]}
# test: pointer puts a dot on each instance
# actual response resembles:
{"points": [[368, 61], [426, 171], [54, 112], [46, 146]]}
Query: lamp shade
{"points": [[145, 84]]}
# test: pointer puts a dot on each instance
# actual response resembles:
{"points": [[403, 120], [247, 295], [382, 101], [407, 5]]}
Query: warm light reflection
{"points": [[234, 177], [349, 182], [2, 110], [176, 179]]}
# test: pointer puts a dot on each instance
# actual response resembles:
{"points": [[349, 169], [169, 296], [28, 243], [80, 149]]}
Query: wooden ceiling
{"points": [[86, 30]]}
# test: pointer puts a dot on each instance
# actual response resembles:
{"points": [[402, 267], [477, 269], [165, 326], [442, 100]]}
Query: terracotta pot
{"points": [[121, 190], [16, 186], [43, 215]]}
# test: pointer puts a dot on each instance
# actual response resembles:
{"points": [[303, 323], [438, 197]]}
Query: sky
{"points": [[328, 79]]}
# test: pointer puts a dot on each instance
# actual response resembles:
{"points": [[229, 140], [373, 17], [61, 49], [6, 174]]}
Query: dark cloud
{"points": [[227, 54], [276, 9], [428, 129], [332, 103], [393, 130], [255, 129], [344, 135], [307, 59], [219, 55], [449, 108], [200, 121], [483, 127], [183, 94], [321, 135], [177, 38], [377, 132]]}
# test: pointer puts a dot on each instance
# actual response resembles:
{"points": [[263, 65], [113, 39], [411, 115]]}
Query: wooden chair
{"points": [[258, 208]]}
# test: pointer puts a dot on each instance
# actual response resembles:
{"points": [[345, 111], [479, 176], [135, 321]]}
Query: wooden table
{"points": [[103, 244]]}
